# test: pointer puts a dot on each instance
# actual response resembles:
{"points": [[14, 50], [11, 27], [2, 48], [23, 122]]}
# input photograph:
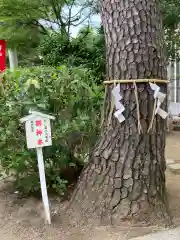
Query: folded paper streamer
{"points": [[160, 99], [119, 107]]}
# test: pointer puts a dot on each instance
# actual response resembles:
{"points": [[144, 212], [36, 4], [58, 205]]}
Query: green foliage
{"points": [[16, 26], [54, 49], [23, 21], [171, 20], [171, 13], [87, 49], [74, 99]]}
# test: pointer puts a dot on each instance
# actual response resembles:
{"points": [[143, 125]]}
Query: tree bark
{"points": [[125, 177]]}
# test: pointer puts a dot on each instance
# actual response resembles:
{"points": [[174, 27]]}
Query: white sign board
{"points": [[38, 132]]}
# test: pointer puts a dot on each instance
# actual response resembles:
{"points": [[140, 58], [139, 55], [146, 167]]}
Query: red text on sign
{"points": [[39, 132], [38, 123], [40, 142]]}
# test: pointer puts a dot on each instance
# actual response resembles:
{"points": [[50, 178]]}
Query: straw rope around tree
{"points": [[134, 81]]}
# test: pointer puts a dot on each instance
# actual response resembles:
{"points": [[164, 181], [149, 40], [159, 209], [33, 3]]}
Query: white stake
{"points": [[43, 185]]}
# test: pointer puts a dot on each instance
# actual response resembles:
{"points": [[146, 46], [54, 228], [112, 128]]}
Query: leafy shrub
{"points": [[74, 99], [55, 49], [87, 49]]}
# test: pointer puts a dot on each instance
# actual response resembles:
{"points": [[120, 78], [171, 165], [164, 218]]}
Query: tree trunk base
{"points": [[91, 208]]}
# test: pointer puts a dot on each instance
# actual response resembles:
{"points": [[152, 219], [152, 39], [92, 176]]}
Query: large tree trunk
{"points": [[125, 177]]}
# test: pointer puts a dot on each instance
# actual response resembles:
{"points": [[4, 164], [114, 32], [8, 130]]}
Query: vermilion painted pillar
{"points": [[2, 55]]}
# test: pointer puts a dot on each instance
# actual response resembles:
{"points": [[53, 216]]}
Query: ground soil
{"points": [[22, 218]]}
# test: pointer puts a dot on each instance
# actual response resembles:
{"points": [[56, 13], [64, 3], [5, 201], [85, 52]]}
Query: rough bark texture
{"points": [[125, 178]]}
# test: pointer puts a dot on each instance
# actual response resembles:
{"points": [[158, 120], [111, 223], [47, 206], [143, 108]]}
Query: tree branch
{"points": [[36, 23], [75, 25]]}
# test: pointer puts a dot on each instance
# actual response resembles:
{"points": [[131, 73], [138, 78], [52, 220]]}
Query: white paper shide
{"points": [[119, 107], [160, 99]]}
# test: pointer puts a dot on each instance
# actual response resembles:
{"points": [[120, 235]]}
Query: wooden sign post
{"points": [[38, 135]]}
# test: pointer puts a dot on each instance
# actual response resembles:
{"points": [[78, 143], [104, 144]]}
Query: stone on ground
{"points": [[170, 161], [175, 168]]}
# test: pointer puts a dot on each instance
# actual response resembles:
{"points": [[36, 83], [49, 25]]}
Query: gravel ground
{"points": [[165, 235]]}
